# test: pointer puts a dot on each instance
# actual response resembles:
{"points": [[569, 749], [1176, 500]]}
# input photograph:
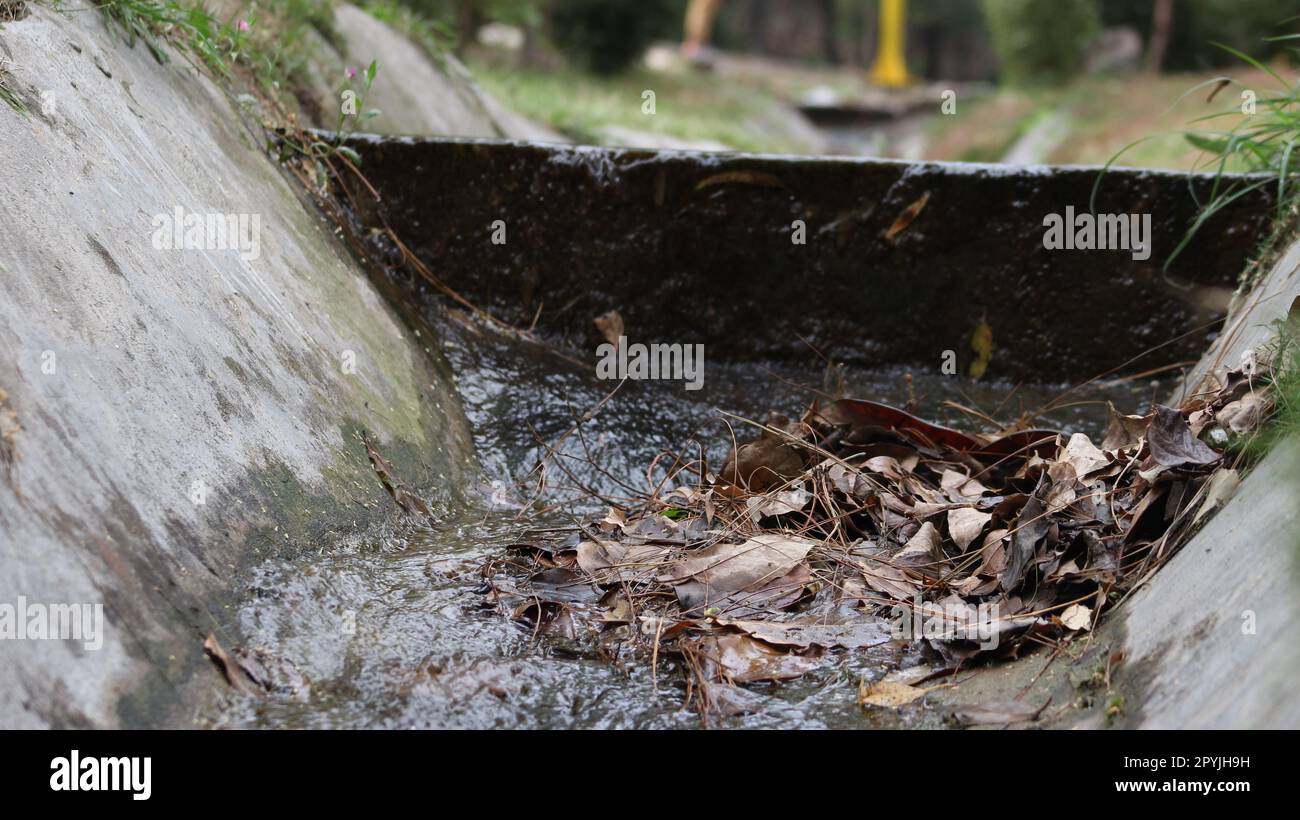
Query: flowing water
{"points": [[391, 630]]}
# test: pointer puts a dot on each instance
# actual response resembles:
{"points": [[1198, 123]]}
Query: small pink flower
{"points": [[243, 25], [352, 72]]}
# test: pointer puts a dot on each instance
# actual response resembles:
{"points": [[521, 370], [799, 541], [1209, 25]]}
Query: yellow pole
{"points": [[890, 70]]}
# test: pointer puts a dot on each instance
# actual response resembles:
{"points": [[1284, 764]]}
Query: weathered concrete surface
{"points": [[1211, 640], [413, 93], [137, 373], [698, 248], [1186, 643]]}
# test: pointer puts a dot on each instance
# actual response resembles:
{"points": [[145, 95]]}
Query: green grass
{"points": [[8, 94], [688, 107], [1261, 139], [269, 39]]}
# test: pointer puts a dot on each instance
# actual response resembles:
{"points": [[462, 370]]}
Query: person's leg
{"points": [[700, 15]]}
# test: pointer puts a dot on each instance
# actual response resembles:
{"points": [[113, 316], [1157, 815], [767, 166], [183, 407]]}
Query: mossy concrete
{"points": [[141, 375]]}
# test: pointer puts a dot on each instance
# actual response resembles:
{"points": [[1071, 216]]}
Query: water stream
{"points": [[391, 631]]}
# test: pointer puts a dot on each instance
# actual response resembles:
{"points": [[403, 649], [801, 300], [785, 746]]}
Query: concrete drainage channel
{"points": [[885, 267], [181, 443]]}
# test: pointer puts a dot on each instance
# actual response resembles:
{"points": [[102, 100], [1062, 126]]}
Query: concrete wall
{"points": [[1188, 633], [139, 375], [413, 93]]}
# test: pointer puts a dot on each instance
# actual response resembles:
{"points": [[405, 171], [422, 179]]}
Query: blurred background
{"points": [[1023, 81]]}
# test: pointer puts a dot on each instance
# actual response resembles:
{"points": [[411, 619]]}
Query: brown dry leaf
{"points": [[1172, 443], [960, 487], [924, 548], [1123, 431], [994, 551], [1244, 414], [889, 694], [1031, 526], [608, 562], [889, 580], [762, 465], [965, 525], [782, 503], [907, 217], [1083, 455], [1077, 617], [610, 325], [764, 569]]}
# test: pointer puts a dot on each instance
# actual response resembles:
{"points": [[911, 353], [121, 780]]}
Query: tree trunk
{"points": [[1161, 25]]}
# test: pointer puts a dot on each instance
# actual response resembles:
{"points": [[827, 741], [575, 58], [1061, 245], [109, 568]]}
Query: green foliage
{"points": [[274, 46], [1263, 141], [607, 36], [1041, 41]]}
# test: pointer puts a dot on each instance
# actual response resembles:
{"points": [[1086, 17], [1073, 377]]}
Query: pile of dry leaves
{"points": [[862, 528]]}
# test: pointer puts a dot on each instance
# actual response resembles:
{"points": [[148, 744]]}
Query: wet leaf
{"points": [[887, 694], [862, 632], [1172, 443], [610, 325], [907, 217], [743, 659], [981, 342], [760, 569]]}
